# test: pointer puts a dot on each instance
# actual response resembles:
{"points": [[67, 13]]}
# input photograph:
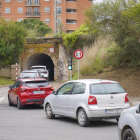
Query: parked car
{"points": [[29, 91], [29, 74], [129, 124], [43, 72], [87, 100]]}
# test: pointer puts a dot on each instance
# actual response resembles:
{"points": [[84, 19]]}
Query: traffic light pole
{"points": [[70, 74]]}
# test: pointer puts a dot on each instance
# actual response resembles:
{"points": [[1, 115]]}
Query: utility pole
{"points": [[55, 16]]}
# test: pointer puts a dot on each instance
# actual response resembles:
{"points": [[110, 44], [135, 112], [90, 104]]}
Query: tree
{"points": [[78, 39], [35, 27], [119, 18], [12, 40]]}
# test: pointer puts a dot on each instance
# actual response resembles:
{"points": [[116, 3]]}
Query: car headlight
{"points": [[122, 113]]}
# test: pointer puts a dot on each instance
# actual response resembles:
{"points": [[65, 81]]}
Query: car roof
{"points": [[32, 79], [38, 66], [29, 71], [91, 81]]}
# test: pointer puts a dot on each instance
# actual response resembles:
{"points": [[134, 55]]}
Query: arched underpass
{"points": [[41, 59]]}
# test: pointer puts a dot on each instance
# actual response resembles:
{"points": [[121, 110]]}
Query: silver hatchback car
{"points": [[87, 100], [129, 124]]}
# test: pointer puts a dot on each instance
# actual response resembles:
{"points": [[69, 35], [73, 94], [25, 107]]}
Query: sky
{"points": [[96, 1]]}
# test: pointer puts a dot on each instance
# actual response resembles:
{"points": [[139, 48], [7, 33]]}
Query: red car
{"points": [[29, 91]]}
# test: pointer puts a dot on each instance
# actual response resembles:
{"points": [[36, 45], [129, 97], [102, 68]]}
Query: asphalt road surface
{"points": [[31, 123]]}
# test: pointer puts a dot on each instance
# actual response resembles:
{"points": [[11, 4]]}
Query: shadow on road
{"points": [[102, 123], [30, 107]]}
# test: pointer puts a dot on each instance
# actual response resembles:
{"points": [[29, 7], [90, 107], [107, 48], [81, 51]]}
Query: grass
{"points": [[6, 81]]}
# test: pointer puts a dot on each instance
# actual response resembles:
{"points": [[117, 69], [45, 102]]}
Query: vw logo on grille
{"points": [[111, 97], [38, 89]]}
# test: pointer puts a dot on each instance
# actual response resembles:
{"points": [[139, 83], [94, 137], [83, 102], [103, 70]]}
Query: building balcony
{"points": [[71, 15], [71, 27], [31, 3], [71, 5], [32, 14]]}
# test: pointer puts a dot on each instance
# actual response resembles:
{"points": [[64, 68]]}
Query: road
{"points": [[31, 123]]}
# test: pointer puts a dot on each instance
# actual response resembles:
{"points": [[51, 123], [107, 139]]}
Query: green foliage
{"points": [[35, 27], [120, 19], [12, 39], [6, 81], [78, 39]]}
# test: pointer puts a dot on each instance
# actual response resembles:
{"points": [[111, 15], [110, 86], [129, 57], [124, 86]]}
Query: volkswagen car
{"points": [[129, 124], [29, 91], [87, 100]]}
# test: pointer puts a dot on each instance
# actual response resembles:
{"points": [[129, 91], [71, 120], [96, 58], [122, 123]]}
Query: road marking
{"points": [[1, 99]]}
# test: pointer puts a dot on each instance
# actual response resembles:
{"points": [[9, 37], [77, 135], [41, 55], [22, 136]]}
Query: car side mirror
{"points": [[11, 87], [54, 92], [138, 109]]}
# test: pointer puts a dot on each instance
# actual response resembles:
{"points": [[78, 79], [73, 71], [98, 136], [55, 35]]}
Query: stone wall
{"points": [[5, 72], [10, 71]]}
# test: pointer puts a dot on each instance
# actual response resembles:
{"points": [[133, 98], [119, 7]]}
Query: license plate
{"points": [[113, 111], [38, 92]]}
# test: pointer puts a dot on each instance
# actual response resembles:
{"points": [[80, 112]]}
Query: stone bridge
{"points": [[37, 53]]}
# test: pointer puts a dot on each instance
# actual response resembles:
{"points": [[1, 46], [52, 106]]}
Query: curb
{"points": [[1, 86]]}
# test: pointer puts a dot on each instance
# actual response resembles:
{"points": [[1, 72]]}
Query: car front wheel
{"points": [[19, 105], [82, 118], [49, 112], [129, 135]]}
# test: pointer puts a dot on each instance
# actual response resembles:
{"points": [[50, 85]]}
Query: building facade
{"points": [[51, 12]]}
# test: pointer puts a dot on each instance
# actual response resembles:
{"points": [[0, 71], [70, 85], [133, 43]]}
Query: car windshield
{"points": [[29, 75], [106, 88], [36, 84]]}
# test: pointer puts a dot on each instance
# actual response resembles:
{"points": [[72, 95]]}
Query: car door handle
{"points": [[67, 98]]}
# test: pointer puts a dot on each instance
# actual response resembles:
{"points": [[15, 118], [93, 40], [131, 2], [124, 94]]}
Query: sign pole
{"points": [[78, 54], [78, 68], [70, 74]]}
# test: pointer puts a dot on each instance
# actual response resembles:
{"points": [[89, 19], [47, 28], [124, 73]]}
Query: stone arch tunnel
{"points": [[41, 59]]}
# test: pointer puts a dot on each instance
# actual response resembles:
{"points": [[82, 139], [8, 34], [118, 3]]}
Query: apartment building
{"points": [[51, 12]]}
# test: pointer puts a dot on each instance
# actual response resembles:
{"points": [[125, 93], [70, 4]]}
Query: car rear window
{"points": [[106, 88], [43, 68], [29, 74], [36, 84]]}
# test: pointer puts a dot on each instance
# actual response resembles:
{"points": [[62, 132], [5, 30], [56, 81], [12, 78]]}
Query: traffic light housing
{"points": [[69, 63]]}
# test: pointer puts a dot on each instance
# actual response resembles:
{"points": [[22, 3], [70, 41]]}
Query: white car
{"points": [[42, 70], [129, 124], [87, 100]]}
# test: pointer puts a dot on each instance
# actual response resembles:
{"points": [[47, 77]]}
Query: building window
{"points": [[47, 20], [7, 10], [36, 11], [8, 19], [20, 10], [46, 9], [20, 0], [58, 10], [20, 19], [59, 21], [29, 2], [36, 1], [7, 0], [46, 0]]}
